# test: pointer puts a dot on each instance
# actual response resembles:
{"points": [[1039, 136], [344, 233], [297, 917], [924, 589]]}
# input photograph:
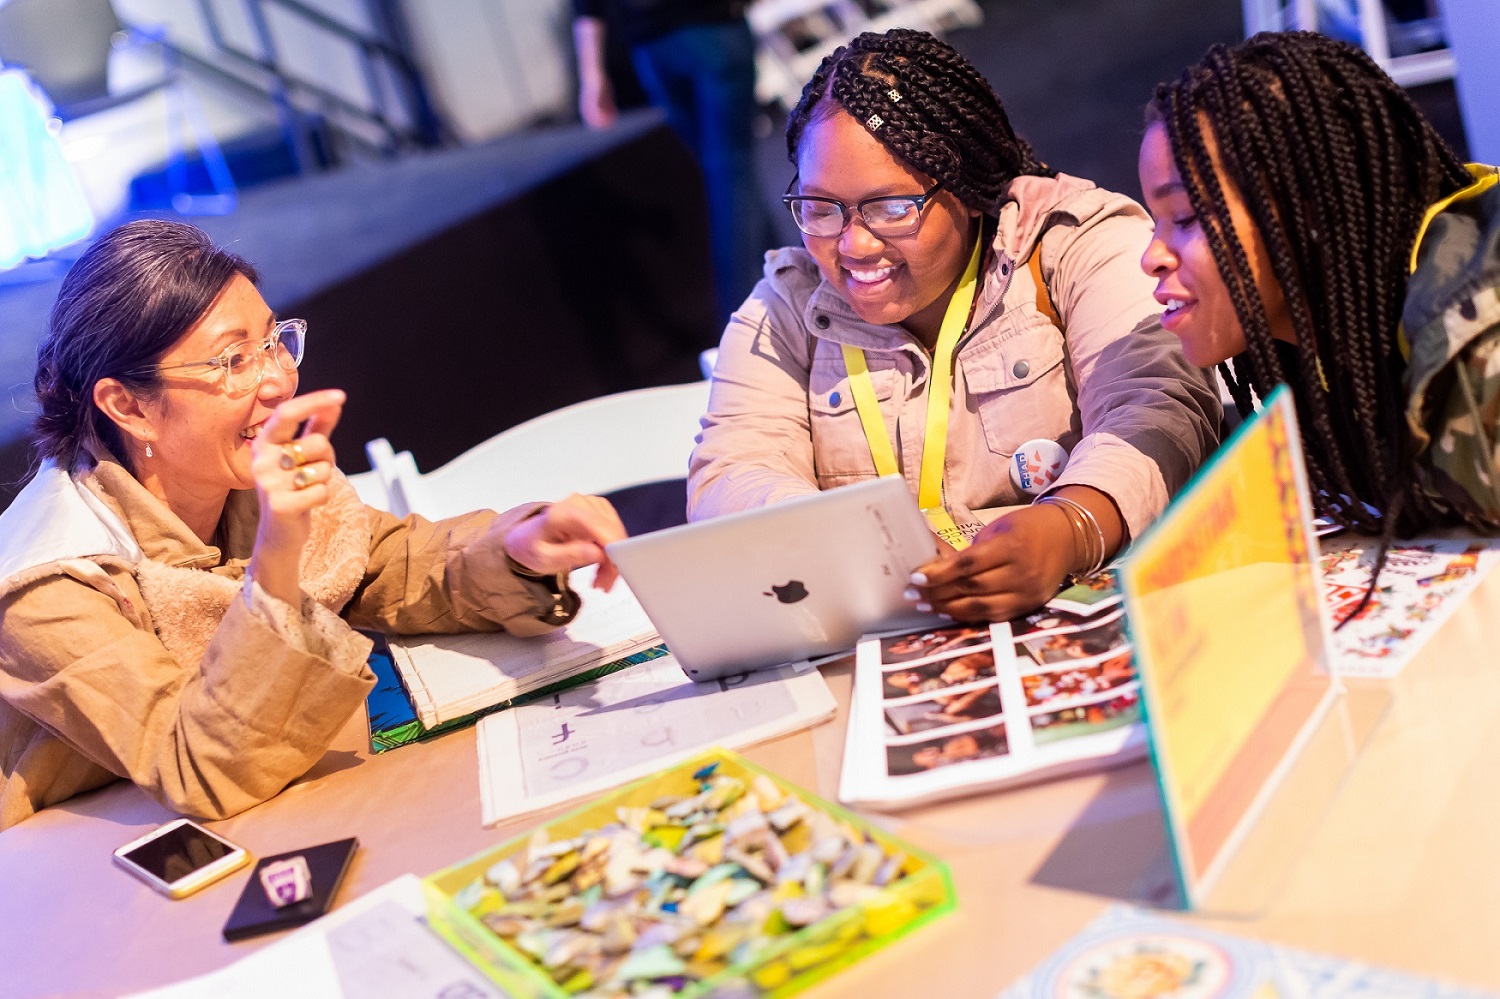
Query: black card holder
{"points": [[254, 914]]}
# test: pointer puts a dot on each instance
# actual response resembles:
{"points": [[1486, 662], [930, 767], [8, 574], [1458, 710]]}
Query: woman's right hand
{"points": [[565, 535], [291, 480]]}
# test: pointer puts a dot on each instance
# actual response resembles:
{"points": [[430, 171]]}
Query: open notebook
{"points": [[452, 676]]}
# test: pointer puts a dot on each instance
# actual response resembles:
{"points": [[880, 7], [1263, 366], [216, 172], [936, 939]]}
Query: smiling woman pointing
{"points": [[963, 315], [180, 581]]}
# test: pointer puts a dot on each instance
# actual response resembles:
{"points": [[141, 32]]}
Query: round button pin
{"points": [[1037, 464]]}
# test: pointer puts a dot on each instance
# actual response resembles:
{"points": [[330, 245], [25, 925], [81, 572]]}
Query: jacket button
{"points": [[1004, 269], [821, 322], [1021, 369]]}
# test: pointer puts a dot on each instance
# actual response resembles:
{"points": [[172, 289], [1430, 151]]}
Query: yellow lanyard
{"points": [[939, 389]]}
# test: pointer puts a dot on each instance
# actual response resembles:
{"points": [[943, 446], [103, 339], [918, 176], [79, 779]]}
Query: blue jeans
{"points": [[703, 77]]}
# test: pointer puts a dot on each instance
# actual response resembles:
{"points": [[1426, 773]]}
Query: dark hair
{"points": [[928, 106], [1336, 167], [126, 301]]}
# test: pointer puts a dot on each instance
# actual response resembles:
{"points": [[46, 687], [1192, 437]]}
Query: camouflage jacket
{"points": [[1452, 320]]}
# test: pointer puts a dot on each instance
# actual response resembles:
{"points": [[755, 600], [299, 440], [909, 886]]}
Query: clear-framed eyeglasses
{"points": [[890, 215], [242, 365]]}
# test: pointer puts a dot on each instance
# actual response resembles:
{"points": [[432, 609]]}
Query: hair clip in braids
{"points": [[905, 88]]}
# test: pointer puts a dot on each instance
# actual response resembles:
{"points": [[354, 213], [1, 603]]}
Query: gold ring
{"points": [[303, 478], [292, 456]]}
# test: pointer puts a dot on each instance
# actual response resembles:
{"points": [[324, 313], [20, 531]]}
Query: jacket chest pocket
{"points": [[841, 454], [1019, 386]]}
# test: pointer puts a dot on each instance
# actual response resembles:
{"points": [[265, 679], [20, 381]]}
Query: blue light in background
{"points": [[42, 206]]}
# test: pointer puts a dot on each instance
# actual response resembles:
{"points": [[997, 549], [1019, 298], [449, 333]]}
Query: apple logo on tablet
{"points": [[789, 592]]}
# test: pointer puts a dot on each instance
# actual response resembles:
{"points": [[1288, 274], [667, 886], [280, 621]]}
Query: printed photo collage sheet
{"points": [[1022, 692], [1009, 695]]}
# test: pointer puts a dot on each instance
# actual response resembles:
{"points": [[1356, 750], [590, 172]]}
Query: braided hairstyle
{"points": [[928, 106], [126, 301], [1336, 167]]}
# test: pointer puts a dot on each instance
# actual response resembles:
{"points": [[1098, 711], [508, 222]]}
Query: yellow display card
{"points": [[1222, 598]]}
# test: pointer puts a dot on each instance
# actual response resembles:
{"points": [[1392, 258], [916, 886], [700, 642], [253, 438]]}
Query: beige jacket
{"points": [[89, 693], [1112, 387]]}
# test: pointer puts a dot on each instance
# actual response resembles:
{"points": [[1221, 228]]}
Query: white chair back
{"points": [[598, 446], [370, 489]]}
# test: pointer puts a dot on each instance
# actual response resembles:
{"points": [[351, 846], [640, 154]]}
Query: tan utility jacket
{"points": [[88, 695], [1111, 386]]}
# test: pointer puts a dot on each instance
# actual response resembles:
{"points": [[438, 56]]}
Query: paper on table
{"points": [[630, 724], [1422, 583], [1128, 952], [389, 953], [374, 947], [451, 676]]}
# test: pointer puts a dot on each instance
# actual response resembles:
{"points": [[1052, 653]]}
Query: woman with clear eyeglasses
{"points": [[963, 315], [181, 579]]}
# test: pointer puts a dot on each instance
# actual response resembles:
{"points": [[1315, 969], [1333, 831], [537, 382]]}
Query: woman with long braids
{"points": [[963, 315], [1291, 181]]}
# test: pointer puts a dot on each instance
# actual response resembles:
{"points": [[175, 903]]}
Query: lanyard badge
{"points": [[939, 391]]}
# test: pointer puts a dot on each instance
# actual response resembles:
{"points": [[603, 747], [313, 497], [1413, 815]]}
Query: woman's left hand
{"points": [[1013, 566], [1017, 562], [566, 535]]}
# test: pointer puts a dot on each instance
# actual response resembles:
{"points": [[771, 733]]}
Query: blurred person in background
{"points": [[696, 61]]}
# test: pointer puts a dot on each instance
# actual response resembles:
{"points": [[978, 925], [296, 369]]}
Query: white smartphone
{"points": [[180, 857]]}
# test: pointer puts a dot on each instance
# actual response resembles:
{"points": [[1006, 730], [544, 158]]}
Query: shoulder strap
{"points": [[1043, 296]]}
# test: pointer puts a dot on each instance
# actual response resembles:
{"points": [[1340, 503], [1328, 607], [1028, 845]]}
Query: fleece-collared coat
{"points": [[130, 648], [1111, 386]]}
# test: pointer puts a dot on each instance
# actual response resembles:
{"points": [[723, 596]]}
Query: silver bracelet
{"points": [[1075, 526], [1097, 560]]}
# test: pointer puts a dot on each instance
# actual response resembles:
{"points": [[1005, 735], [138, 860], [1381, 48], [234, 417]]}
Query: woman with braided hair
{"points": [[1291, 180], [964, 316]]}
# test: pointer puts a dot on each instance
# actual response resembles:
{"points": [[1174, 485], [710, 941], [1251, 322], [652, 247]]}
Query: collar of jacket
{"points": [[161, 534], [1454, 296], [103, 512]]}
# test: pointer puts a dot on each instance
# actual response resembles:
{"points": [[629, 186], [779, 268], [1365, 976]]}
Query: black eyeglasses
{"points": [[889, 215]]}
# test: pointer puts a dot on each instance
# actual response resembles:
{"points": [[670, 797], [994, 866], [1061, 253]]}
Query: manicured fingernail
{"points": [[924, 608], [919, 579], [912, 595]]}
